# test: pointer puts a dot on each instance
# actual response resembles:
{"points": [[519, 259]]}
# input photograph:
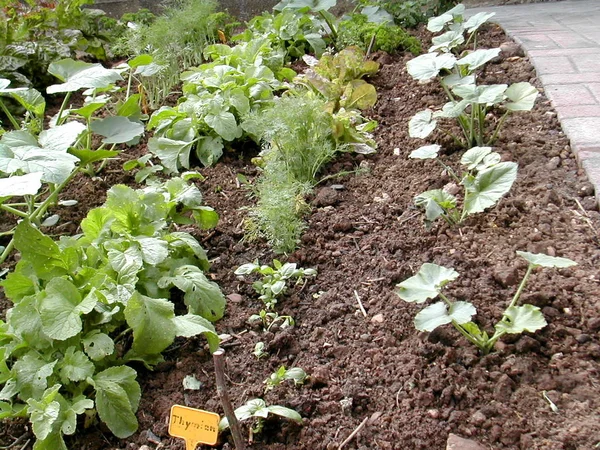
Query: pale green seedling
{"points": [[295, 374], [516, 319], [257, 408], [485, 181]]}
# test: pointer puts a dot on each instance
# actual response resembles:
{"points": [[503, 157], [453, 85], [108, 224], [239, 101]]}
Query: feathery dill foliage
{"points": [[298, 142], [176, 39]]}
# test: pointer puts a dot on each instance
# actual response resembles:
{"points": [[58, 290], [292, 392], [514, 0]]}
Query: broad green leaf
{"points": [[473, 157], [20, 185], [425, 67], [140, 60], [285, 412], [89, 108], [38, 249], [98, 345], [117, 129], [358, 94], [206, 217], [478, 58], [421, 124], [209, 149], [541, 260], [518, 319], [438, 314], [447, 41], [426, 284], [70, 411], [75, 366], [489, 186], [117, 399], [154, 250], [486, 94], [86, 156], [455, 79], [61, 308], [250, 409], [436, 24], [172, 153], [31, 100], [246, 269], [426, 152], [476, 20], [224, 124], [452, 110], [131, 108], [376, 14], [436, 202], [152, 322], [61, 137], [191, 325], [203, 297], [32, 374], [78, 75], [54, 441], [522, 96]]}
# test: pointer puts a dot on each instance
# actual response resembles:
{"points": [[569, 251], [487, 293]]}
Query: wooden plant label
{"points": [[194, 426]]}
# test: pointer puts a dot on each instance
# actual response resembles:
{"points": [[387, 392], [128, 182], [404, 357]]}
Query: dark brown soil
{"points": [[414, 388]]}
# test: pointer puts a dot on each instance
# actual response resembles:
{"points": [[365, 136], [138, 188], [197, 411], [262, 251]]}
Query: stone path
{"points": [[562, 39]]}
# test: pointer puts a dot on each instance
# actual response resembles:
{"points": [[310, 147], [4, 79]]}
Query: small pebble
{"points": [[378, 318]]}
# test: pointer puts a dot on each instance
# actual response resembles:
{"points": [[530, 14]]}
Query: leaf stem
{"points": [[11, 118], [62, 108]]}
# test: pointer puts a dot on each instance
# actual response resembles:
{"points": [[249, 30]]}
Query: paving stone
{"points": [[570, 94], [553, 64], [569, 78], [583, 130], [591, 167], [571, 40], [574, 111], [594, 89], [565, 51], [537, 41], [587, 65]]}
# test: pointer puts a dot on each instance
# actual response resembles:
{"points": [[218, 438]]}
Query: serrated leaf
{"points": [[518, 319], [98, 345], [203, 297], [75, 366], [32, 374], [172, 153], [42, 415], [152, 322], [489, 186], [421, 124], [426, 152], [541, 260], [38, 249], [428, 66], [154, 250], [61, 308], [426, 284], [117, 399], [522, 96], [117, 129], [436, 202]]}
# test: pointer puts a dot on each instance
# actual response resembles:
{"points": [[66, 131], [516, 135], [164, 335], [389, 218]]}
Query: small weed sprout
{"points": [[259, 350], [258, 409], [296, 374], [428, 284], [485, 181]]}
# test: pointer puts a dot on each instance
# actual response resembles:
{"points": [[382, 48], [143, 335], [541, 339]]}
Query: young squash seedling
{"points": [[485, 181], [296, 374], [431, 278], [257, 408]]}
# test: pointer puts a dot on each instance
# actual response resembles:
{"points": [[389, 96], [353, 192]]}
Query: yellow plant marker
{"points": [[194, 426]]}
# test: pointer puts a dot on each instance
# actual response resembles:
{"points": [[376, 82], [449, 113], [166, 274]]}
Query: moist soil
{"points": [[410, 389]]}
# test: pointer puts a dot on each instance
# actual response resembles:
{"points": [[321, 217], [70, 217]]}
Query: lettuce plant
{"points": [[516, 319], [85, 306], [485, 181], [456, 71]]}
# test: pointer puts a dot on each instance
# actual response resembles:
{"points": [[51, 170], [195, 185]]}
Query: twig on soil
{"points": [[354, 433], [236, 432], [20, 439], [412, 216], [360, 305], [586, 218]]}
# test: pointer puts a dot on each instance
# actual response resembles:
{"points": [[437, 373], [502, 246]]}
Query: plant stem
{"points": [[497, 130], [7, 250], [14, 211], [330, 25], [13, 121], [236, 431], [449, 170], [521, 286], [62, 108]]}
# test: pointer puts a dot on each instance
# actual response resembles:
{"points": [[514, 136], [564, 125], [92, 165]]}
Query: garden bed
{"points": [[366, 236]]}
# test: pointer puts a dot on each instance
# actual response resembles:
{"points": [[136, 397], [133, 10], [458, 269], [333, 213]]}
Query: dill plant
{"points": [[297, 142]]}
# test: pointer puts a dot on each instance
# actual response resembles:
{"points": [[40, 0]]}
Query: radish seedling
{"points": [[428, 284], [276, 378], [258, 408]]}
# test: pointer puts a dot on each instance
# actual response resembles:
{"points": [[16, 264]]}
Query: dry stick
{"points": [[236, 432], [354, 433], [360, 305]]}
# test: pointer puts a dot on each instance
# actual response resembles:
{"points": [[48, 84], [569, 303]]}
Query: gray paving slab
{"points": [[562, 40]]}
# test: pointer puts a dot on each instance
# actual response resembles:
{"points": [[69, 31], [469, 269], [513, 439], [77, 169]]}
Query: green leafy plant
{"points": [[30, 100], [516, 319], [88, 304], [359, 31], [259, 350], [258, 409], [469, 103], [295, 374], [274, 281], [316, 7], [485, 181]]}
